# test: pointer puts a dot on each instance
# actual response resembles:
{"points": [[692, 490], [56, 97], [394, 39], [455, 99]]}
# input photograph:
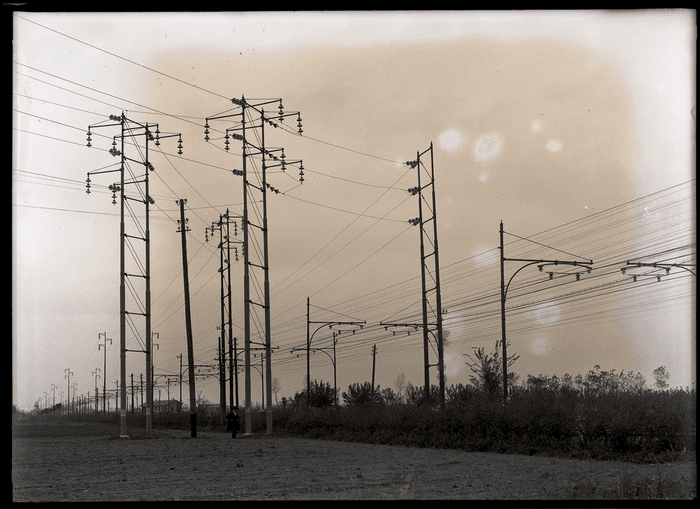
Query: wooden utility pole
{"points": [[188, 320]]}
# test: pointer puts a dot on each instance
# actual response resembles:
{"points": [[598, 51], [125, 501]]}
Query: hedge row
{"points": [[645, 427]]}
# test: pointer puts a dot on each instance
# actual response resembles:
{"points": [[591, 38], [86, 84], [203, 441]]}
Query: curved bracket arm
{"points": [[505, 292]]}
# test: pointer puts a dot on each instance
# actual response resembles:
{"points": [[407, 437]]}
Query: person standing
{"points": [[234, 422]]}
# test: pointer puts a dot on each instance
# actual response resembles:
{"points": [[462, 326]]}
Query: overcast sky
{"points": [[574, 128]]}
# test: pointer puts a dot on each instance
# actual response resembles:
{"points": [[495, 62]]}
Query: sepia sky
{"points": [[574, 128]]}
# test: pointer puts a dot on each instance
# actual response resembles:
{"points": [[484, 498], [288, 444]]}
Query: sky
{"points": [[576, 129]]}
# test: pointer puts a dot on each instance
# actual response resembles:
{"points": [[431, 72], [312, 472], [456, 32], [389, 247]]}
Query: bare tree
{"points": [[400, 384], [487, 369], [276, 387]]}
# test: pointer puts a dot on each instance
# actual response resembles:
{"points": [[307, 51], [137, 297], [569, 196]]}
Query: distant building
{"points": [[210, 408], [165, 406]]}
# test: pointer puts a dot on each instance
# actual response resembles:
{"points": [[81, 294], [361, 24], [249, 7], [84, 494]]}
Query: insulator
{"points": [[179, 152], [150, 167], [206, 137], [301, 130], [658, 279], [157, 142], [88, 144], [578, 277], [301, 179]]}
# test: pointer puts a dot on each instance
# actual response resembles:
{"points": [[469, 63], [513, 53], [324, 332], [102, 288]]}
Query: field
{"points": [[88, 461]]}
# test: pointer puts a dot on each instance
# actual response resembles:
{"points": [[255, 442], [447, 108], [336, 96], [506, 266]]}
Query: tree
{"points": [[416, 395], [320, 395], [362, 394], [389, 397], [487, 370], [276, 387], [660, 377], [400, 384]]}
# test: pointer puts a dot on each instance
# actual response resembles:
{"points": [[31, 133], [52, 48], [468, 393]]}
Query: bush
{"points": [[551, 419]]}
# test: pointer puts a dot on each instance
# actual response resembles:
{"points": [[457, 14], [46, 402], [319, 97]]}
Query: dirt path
{"points": [[47, 465]]}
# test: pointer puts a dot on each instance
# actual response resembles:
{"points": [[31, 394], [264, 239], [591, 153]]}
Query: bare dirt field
{"points": [[90, 462]]}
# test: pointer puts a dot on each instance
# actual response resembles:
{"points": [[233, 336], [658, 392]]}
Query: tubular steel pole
{"points": [[188, 322]]}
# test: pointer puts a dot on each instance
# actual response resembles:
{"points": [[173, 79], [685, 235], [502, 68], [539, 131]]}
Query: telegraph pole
{"points": [[233, 370], [257, 107], [225, 270], [97, 375], [134, 129], [67, 375], [188, 320], [104, 371], [421, 220], [374, 363], [153, 367], [53, 392]]}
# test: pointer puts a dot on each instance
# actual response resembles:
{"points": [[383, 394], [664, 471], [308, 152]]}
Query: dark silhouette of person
{"points": [[234, 422]]}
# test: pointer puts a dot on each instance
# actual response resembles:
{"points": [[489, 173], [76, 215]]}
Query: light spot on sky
{"points": [[483, 177], [546, 313], [536, 125], [487, 147], [486, 256], [540, 345], [554, 145], [452, 364], [450, 140]]}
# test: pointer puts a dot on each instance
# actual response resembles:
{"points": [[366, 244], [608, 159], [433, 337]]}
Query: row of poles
{"points": [[151, 132], [431, 297]]}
